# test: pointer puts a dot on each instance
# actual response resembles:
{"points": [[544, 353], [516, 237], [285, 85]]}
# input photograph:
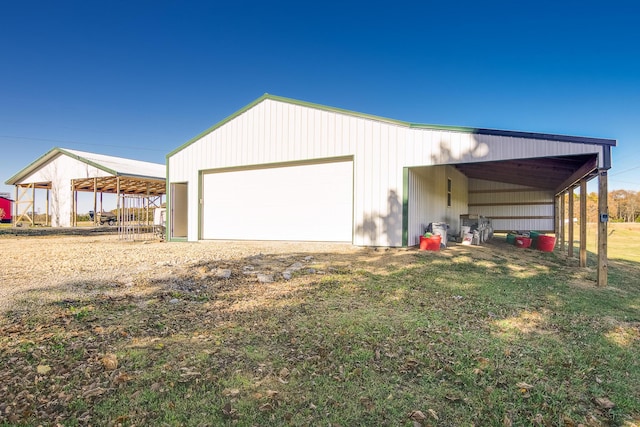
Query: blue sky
{"points": [[139, 78]]}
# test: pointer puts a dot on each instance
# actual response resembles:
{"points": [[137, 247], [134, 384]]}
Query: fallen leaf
{"points": [[284, 373], [483, 362], [43, 369], [272, 394], [523, 385], [417, 416], [110, 361], [122, 378], [604, 403], [538, 420], [433, 414], [266, 407], [94, 392], [230, 392], [228, 411]]}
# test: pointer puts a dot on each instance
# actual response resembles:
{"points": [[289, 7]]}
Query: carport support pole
{"points": [[557, 221], [603, 216], [33, 205], [14, 218], [118, 201], [73, 200], [570, 224], [95, 201], [583, 222], [561, 231], [47, 219]]}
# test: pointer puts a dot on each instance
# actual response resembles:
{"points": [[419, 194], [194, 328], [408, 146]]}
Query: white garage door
{"points": [[311, 202]]}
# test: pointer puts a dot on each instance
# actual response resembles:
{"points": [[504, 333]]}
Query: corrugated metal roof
{"points": [[122, 166], [116, 166]]}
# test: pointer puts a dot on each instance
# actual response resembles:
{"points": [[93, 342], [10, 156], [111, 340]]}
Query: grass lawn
{"points": [[469, 336]]}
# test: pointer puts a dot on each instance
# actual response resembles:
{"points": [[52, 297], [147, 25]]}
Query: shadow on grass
{"points": [[480, 336]]}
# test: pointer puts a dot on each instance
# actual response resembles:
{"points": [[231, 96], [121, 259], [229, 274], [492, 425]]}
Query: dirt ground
{"points": [[37, 270]]}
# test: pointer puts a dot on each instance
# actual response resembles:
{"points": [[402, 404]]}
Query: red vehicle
{"points": [[7, 209]]}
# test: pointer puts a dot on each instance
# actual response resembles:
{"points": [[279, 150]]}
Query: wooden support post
{"points": [[562, 222], [570, 224], [583, 222], [14, 218], [556, 215], [75, 207], [95, 201], [48, 220], [33, 205], [146, 202], [118, 214], [603, 217], [72, 200]]}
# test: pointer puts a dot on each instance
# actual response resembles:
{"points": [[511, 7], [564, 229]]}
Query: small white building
{"points": [[281, 169], [62, 173]]}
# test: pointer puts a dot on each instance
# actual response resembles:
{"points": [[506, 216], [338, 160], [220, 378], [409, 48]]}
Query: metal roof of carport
{"points": [[551, 173], [135, 176]]}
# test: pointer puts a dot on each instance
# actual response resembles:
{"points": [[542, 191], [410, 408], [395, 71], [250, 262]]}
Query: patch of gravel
{"points": [[36, 270]]}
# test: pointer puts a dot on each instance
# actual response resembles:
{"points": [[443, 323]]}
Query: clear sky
{"points": [[139, 78]]}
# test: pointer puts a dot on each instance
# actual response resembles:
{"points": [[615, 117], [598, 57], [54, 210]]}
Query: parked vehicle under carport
{"points": [[108, 218]]}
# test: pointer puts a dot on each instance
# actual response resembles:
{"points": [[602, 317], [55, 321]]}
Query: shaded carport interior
{"points": [[144, 187], [561, 175], [550, 173]]}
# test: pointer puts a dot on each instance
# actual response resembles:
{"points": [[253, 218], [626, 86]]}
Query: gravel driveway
{"points": [[39, 269]]}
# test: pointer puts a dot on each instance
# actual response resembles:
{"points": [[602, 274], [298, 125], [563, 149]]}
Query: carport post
{"points": [[583, 222], [570, 224], [95, 201], [47, 220], [603, 217], [562, 226]]}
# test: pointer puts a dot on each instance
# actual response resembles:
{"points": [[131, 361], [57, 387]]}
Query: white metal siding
{"points": [[311, 202], [428, 199], [512, 207], [59, 172]]}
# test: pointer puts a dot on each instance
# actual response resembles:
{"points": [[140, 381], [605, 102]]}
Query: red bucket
{"points": [[523, 242], [430, 243], [546, 243]]}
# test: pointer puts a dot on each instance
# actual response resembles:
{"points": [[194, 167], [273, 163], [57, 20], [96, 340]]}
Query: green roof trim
{"points": [[49, 155], [462, 129]]}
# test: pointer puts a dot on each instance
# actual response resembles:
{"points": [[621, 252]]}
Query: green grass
{"points": [[472, 336]]}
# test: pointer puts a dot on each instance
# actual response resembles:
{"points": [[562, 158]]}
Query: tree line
{"points": [[624, 206]]}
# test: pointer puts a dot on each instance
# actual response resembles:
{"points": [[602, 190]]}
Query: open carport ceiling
{"points": [[550, 173]]}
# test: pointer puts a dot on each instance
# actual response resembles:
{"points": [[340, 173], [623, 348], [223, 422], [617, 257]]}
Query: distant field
{"points": [[623, 242]]}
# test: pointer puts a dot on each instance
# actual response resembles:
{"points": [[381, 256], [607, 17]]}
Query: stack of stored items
{"points": [[435, 236], [475, 229], [440, 229], [532, 239]]}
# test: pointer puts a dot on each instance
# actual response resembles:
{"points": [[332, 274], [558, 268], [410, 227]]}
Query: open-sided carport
{"points": [[64, 173]]}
